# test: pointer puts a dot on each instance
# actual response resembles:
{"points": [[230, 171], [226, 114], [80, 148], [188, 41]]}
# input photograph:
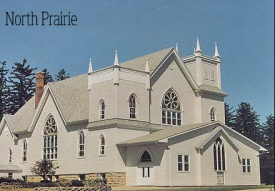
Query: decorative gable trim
{"points": [[213, 134], [182, 67], [48, 92], [4, 121]]}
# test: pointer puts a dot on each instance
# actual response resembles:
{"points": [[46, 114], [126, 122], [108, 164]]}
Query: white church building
{"points": [[154, 120]]}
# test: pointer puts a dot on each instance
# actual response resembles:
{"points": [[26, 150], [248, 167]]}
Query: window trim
{"points": [[10, 156], [131, 107], [246, 166], [55, 135], [183, 163], [79, 144], [212, 75], [213, 114], [223, 162], [168, 113], [205, 74], [24, 151], [102, 103], [100, 145]]}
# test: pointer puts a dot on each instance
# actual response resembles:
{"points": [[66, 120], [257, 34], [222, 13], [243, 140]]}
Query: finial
{"points": [[198, 48], [90, 66], [116, 59], [147, 66], [177, 47], [216, 50]]}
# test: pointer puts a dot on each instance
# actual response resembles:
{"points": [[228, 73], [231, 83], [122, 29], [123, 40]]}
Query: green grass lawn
{"points": [[216, 188]]}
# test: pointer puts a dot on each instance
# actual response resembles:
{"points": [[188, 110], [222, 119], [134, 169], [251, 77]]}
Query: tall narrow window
{"points": [[171, 112], [132, 106], [24, 151], [213, 114], [219, 155], [10, 155], [50, 139], [81, 144], [212, 75], [102, 109], [205, 74], [102, 144]]}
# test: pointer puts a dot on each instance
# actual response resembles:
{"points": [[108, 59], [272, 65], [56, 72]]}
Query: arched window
{"points": [[10, 155], [132, 106], [213, 114], [219, 155], [24, 150], [212, 75], [102, 109], [102, 144], [145, 157], [205, 73], [81, 144], [171, 112], [50, 139]]}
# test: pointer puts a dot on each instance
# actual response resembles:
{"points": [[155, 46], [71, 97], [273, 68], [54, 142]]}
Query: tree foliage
{"points": [[62, 75], [48, 76], [44, 168], [22, 85], [4, 91], [247, 122], [267, 159], [229, 115]]}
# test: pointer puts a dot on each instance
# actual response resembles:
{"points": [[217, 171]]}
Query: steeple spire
{"points": [[198, 48], [90, 66], [116, 63], [216, 50]]}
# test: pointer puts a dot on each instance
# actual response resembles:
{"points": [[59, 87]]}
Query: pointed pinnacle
{"points": [[90, 66], [147, 66], [216, 51], [198, 48], [116, 59]]}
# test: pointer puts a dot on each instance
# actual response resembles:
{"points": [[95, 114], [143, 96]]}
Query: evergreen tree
{"points": [[247, 122], [48, 76], [267, 159], [62, 75], [229, 115], [3, 89], [22, 85]]}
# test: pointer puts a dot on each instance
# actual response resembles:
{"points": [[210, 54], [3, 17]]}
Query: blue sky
{"points": [[244, 31]]}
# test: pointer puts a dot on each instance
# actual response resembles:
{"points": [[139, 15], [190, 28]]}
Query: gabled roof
{"points": [[167, 133], [72, 97], [154, 60], [163, 134], [214, 133]]}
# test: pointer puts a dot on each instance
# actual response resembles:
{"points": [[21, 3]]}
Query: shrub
{"points": [[64, 182], [77, 183]]}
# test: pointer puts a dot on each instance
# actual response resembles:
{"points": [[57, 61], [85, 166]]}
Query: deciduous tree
{"points": [[44, 168]]}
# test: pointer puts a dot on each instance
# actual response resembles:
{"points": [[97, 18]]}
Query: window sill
{"points": [[101, 155], [82, 157], [184, 171], [24, 161]]}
